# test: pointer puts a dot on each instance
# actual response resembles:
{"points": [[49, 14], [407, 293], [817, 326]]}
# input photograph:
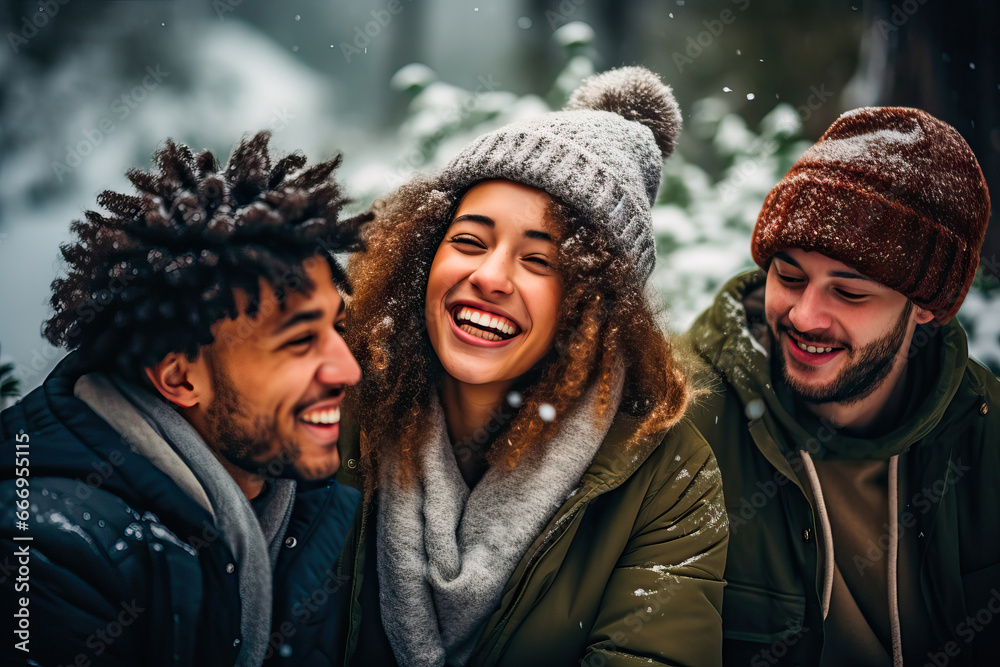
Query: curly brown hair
{"points": [[605, 327], [154, 276]]}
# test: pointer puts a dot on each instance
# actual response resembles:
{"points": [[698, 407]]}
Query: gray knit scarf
{"points": [[164, 437], [445, 553]]}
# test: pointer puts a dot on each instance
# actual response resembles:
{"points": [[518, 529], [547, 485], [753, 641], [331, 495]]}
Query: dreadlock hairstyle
{"points": [[605, 327], [155, 275]]}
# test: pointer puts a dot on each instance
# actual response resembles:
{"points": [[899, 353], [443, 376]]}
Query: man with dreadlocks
{"points": [[206, 374]]}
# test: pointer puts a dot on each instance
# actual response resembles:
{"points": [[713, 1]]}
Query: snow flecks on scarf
{"points": [[445, 552]]}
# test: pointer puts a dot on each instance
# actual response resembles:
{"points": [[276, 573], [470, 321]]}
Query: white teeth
{"points": [[495, 322], [326, 417], [812, 349]]}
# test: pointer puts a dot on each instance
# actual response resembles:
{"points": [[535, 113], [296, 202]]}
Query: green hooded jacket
{"points": [[949, 446], [627, 572]]}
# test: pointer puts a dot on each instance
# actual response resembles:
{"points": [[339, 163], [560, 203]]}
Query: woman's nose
{"points": [[493, 275]]}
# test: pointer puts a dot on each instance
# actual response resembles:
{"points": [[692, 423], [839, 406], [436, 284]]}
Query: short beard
{"points": [[860, 378], [239, 437]]}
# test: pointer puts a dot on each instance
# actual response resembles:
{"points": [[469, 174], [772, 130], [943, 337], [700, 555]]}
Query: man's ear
{"points": [[182, 381], [922, 315]]}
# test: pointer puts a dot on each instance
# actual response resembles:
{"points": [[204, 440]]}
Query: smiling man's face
{"points": [[277, 381], [838, 335]]}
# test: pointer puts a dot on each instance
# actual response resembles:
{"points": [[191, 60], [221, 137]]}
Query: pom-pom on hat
{"points": [[892, 192], [603, 155]]}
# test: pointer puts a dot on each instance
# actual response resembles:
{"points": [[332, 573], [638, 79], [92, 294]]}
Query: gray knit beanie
{"points": [[602, 155]]}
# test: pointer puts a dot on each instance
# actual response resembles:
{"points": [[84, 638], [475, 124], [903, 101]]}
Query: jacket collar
{"points": [[624, 449], [723, 338], [720, 335], [84, 447]]}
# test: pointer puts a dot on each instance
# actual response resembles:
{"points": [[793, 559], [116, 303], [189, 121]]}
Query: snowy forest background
{"points": [[88, 89]]}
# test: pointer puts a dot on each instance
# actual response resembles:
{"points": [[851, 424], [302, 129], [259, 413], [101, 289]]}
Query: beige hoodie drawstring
{"points": [[897, 635], [828, 558]]}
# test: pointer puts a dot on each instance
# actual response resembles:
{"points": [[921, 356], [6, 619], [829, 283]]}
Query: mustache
{"points": [[332, 392], [812, 339]]}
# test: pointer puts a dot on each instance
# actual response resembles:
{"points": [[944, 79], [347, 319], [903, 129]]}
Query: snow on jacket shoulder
{"points": [[121, 566], [951, 465]]}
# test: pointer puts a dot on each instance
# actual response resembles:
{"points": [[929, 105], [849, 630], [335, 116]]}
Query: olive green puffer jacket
{"points": [[627, 572], [950, 462]]}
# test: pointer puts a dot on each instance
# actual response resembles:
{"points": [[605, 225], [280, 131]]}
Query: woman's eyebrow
{"points": [[534, 234], [473, 217], [488, 222]]}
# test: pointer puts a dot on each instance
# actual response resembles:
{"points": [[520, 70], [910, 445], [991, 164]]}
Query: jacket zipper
{"points": [[354, 629]]}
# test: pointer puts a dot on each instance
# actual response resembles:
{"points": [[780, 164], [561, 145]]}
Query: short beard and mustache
{"points": [[246, 440], [867, 368], [241, 438]]}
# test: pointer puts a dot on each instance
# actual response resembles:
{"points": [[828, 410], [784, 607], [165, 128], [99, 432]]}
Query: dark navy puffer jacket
{"points": [[115, 564]]}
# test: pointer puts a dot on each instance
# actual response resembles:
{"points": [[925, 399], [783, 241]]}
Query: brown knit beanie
{"points": [[892, 192]]}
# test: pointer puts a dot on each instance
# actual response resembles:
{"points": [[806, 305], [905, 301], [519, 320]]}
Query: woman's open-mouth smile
{"points": [[478, 326]]}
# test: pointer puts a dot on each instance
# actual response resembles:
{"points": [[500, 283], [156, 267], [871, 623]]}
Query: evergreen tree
{"points": [[8, 383]]}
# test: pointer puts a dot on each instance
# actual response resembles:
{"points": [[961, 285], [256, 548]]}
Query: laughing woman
{"points": [[532, 493]]}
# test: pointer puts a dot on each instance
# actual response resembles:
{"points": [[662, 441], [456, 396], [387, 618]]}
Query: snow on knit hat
{"points": [[892, 192], [603, 155]]}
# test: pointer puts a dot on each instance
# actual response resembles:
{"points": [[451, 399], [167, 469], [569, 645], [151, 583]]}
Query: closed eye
{"points": [[541, 261], [300, 341], [468, 240], [850, 295], [790, 280]]}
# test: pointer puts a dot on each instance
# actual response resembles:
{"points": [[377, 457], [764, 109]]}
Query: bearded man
{"points": [[148, 496], [859, 444]]}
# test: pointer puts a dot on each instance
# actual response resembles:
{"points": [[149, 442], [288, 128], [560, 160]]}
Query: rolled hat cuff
{"points": [[884, 240]]}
